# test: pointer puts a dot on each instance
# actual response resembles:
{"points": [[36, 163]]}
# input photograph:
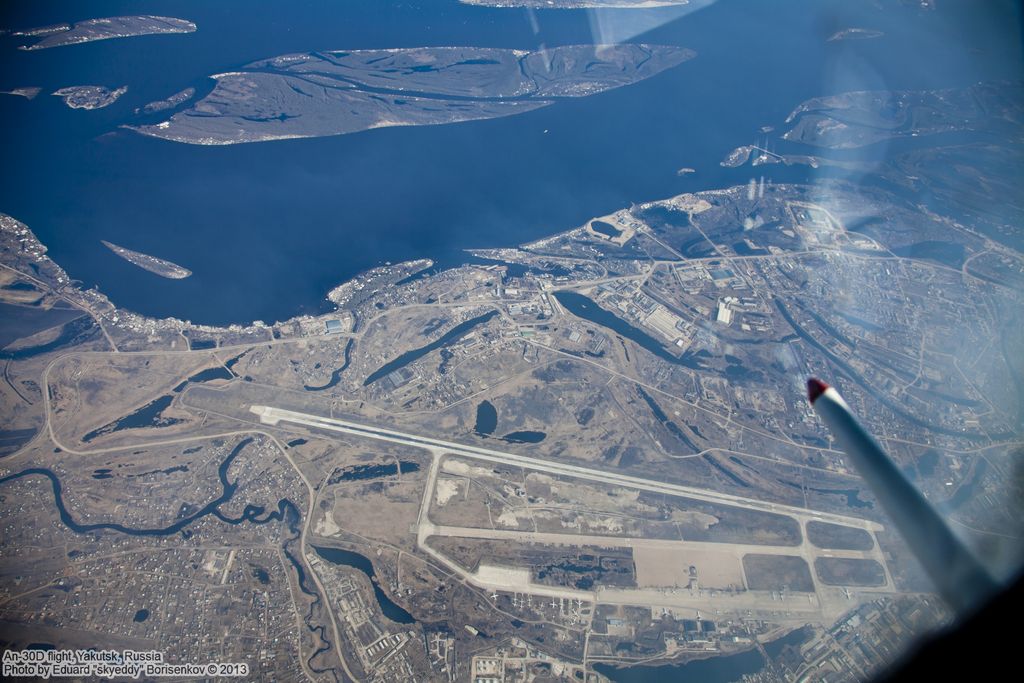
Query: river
{"points": [[269, 228], [721, 669]]}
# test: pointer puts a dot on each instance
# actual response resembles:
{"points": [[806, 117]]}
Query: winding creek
{"points": [[250, 514], [336, 374], [286, 512]]}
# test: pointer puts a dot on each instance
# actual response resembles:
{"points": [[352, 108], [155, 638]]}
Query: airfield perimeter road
{"points": [[272, 416]]}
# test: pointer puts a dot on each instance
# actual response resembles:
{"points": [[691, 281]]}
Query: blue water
{"points": [[721, 669], [486, 419], [794, 638], [149, 415], [586, 308], [268, 228], [408, 357], [524, 437], [352, 559], [72, 333]]}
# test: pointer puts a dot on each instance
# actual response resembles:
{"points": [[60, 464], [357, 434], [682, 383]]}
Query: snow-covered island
{"points": [[157, 266]]}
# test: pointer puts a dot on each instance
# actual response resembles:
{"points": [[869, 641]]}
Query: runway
{"points": [[272, 416]]}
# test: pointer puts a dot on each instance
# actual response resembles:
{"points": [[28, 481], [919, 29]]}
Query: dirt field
{"points": [[838, 537], [837, 571], [777, 572], [658, 568]]}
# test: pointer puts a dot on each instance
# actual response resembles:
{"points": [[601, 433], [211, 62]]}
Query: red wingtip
{"points": [[815, 388]]}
